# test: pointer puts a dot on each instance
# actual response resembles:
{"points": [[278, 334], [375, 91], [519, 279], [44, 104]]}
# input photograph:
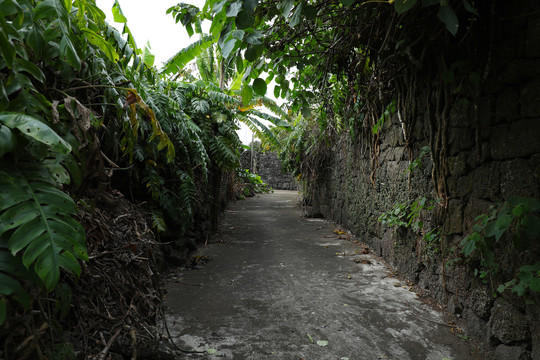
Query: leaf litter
{"points": [[116, 305]]}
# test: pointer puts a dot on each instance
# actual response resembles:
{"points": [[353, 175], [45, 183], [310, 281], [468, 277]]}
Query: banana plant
{"points": [[219, 61]]}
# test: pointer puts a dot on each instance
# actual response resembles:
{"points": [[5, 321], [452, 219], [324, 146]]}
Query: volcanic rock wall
{"points": [[492, 154], [268, 167]]}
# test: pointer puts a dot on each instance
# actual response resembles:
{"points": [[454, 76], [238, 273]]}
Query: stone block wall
{"points": [[268, 166], [492, 154]]}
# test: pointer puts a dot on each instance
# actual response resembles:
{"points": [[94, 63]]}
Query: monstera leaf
{"points": [[36, 221]]}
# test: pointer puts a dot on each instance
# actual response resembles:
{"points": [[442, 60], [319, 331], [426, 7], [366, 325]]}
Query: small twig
{"points": [[133, 335], [170, 336], [105, 350], [432, 321], [119, 217], [107, 253], [103, 341], [112, 163]]}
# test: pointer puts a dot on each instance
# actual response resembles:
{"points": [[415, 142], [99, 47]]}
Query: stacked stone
{"points": [[268, 166]]}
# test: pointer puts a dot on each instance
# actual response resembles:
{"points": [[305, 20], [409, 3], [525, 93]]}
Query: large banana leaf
{"points": [[36, 218]]}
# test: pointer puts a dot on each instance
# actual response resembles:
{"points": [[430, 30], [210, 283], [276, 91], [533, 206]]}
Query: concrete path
{"points": [[284, 287]]}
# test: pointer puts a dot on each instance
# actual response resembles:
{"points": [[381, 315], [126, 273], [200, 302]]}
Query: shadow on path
{"points": [[281, 286]]}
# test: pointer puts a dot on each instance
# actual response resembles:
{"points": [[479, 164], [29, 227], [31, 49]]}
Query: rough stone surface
{"points": [[480, 302], [518, 139], [530, 106], [507, 324], [533, 313], [533, 38], [491, 153], [505, 352], [455, 216], [474, 208], [476, 326], [268, 167], [518, 171]]}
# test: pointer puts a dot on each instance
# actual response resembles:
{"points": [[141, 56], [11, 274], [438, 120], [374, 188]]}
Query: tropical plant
{"points": [[80, 105]]}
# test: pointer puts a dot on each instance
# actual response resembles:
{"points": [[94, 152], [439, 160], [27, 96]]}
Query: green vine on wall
{"points": [[518, 219], [412, 215]]}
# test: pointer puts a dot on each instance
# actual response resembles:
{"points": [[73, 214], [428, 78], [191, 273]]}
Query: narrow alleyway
{"points": [[279, 286]]}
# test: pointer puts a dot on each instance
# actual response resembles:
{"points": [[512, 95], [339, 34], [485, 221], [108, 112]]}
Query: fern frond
{"points": [[200, 105], [223, 153], [274, 120], [187, 54], [187, 193], [220, 97], [273, 107], [261, 130], [153, 182], [158, 222]]}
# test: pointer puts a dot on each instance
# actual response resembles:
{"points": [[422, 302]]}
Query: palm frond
{"points": [[220, 97], [187, 54], [274, 120], [262, 131], [274, 107], [223, 152]]}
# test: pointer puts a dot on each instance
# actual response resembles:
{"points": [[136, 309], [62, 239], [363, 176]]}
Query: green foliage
{"points": [[396, 216], [68, 79], [388, 112], [407, 214], [35, 129], [528, 279], [37, 221], [417, 162], [184, 56], [411, 215], [252, 182], [517, 218]]}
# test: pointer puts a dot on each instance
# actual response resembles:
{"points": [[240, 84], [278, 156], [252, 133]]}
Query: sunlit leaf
{"points": [[234, 9], [255, 38], [148, 57], [228, 47], [100, 42], [118, 15], [285, 7], [184, 56], [247, 94], [296, 18]]}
